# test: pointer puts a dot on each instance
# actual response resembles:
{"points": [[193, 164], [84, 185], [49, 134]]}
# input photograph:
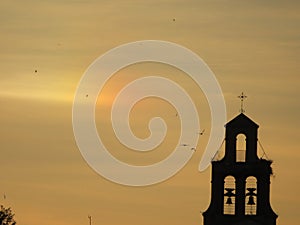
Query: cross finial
{"points": [[90, 219], [242, 97]]}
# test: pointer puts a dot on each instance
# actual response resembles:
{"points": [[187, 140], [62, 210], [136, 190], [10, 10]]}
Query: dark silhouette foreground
{"points": [[6, 216]]}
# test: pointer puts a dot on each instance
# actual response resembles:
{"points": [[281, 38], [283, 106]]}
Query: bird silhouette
{"points": [[201, 132]]}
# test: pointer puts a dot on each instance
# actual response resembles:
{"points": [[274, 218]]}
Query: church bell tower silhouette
{"points": [[240, 186]]}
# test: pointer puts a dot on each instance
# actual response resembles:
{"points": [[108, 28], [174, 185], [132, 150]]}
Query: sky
{"points": [[46, 46]]}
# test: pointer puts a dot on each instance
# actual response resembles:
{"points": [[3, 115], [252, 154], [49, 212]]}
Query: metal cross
{"points": [[242, 97], [90, 219]]}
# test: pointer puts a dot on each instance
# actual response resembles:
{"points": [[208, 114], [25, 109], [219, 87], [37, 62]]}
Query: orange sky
{"points": [[251, 46]]}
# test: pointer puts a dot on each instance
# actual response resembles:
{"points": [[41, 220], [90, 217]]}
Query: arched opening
{"points": [[229, 196], [241, 148], [251, 196]]}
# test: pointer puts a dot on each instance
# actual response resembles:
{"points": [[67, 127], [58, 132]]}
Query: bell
{"points": [[229, 201], [251, 201]]}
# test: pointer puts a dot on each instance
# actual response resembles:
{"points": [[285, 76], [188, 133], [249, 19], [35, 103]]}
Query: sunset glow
{"points": [[46, 47]]}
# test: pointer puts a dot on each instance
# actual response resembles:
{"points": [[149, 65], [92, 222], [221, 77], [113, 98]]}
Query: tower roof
{"points": [[243, 121]]}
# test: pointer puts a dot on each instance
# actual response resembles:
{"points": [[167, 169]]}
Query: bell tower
{"points": [[240, 186]]}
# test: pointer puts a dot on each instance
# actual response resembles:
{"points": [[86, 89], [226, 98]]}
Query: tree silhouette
{"points": [[6, 216]]}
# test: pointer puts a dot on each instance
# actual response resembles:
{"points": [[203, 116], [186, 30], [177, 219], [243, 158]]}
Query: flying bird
{"points": [[201, 132]]}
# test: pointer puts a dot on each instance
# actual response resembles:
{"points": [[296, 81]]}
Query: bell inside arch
{"points": [[229, 201], [251, 200]]}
